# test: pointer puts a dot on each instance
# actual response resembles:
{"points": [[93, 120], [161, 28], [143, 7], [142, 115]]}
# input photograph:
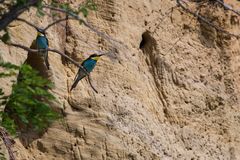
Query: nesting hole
{"points": [[146, 40]]}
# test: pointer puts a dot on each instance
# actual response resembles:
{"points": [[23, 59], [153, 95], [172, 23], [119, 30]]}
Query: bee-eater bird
{"points": [[88, 64], [42, 43]]}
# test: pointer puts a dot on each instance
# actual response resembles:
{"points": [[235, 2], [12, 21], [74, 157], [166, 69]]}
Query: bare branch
{"points": [[47, 27], [27, 22], [14, 12], [54, 19], [13, 15], [55, 22], [8, 142], [203, 19], [56, 51], [226, 6], [75, 16], [49, 49], [62, 54], [89, 80]]}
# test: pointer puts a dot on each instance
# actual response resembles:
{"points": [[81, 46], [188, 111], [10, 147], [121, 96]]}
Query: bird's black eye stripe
{"points": [[93, 55], [41, 31]]}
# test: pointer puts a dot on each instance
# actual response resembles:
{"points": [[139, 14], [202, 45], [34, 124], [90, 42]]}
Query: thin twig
{"points": [[173, 45], [47, 27], [55, 22], [203, 19], [108, 53], [226, 6], [56, 51], [50, 15], [29, 23], [49, 49], [14, 12], [162, 19], [75, 16], [8, 142], [89, 80]]}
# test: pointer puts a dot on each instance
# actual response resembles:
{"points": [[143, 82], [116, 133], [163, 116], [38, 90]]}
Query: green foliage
{"points": [[63, 5], [21, 2], [3, 99], [11, 69], [83, 8], [27, 107], [89, 5], [8, 65], [39, 7]]}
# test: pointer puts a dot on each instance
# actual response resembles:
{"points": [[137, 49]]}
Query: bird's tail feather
{"points": [[46, 60], [76, 75], [74, 85], [80, 75]]}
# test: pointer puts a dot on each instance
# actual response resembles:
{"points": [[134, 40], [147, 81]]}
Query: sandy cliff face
{"points": [[171, 93]]}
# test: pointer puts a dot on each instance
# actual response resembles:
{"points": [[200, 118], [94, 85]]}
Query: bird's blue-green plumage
{"points": [[42, 43], [88, 65]]}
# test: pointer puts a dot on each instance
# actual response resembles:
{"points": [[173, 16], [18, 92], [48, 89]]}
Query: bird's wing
{"points": [[84, 61], [80, 75], [89, 65], [47, 41], [46, 54], [42, 43], [46, 59]]}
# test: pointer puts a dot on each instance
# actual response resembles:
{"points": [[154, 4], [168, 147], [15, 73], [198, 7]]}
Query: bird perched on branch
{"points": [[42, 43], [88, 65]]}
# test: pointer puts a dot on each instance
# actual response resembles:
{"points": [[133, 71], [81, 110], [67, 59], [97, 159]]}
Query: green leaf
{"points": [[28, 105], [65, 6], [91, 5], [24, 119], [84, 11], [2, 75], [9, 124], [40, 13], [54, 15], [8, 65]]}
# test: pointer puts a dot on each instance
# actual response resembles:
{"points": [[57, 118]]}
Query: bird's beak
{"points": [[96, 58], [40, 34], [100, 56]]}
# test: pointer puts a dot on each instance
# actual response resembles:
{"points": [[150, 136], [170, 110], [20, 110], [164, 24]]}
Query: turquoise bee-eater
{"points": [[42, 43], [88, 65]]}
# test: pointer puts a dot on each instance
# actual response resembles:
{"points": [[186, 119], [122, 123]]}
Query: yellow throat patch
{"points": [[95, 58], [39, 34]]}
